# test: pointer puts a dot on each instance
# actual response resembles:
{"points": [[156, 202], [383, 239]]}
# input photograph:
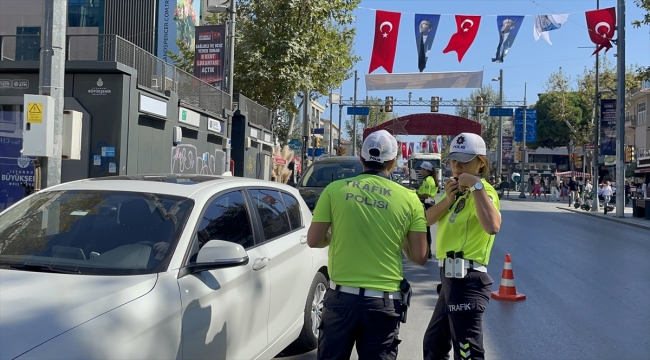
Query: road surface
{"points": [[587, 283]]}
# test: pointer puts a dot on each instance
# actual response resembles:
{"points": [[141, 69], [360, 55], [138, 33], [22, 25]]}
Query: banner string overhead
{"points": [[601, 25], [385, 45], [466, 30], [546, 23], [508, 27]]}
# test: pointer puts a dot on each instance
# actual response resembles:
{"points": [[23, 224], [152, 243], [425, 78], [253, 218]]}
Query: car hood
{"points": [[311, 195], [36, 306]]}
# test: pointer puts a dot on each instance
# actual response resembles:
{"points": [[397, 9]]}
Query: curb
{"points": [[617, 220]]}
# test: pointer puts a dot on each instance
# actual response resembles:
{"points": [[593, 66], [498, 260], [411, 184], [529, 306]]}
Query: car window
{"points": [[272, 212], [294, 211], [322, 174], [93, 232], [226, 218]]}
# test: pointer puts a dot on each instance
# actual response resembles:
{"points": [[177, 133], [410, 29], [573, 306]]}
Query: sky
{"points": [[528, 62]]}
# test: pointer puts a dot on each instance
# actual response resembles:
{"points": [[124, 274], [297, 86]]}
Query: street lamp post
{"points": [[222, 7], [500, 143]]}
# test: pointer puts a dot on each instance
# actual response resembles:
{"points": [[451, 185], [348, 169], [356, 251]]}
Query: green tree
{"points": [[285, 46], [643, 71], [564, 116], [184, 60], [490, 124]]}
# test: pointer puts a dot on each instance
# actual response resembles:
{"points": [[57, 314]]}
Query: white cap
{"points": [[466, 147], [379, 146], [426, 166]]}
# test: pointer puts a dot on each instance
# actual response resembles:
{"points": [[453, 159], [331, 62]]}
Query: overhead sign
{"points": [[318, 131], [501, 112], [361, 111], [295, 144], [531, 125], [440, 80], [34, 113]]}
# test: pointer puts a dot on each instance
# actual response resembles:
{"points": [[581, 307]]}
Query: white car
{"points": [[159, 267]]}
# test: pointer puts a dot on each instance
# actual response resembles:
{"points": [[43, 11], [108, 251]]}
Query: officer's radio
{"points": [[455, 265]]}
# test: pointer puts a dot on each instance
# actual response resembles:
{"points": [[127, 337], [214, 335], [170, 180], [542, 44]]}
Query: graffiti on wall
{"points": [[186, 159]]}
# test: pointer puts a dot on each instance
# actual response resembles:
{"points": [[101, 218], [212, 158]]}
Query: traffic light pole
{"points": [[500, 143], [522, 195], [620, 108]]}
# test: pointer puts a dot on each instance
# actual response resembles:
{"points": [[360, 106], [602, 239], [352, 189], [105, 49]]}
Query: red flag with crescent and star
{"points": [[466, 30], [601, 25], [383, 50], [404, 151]]}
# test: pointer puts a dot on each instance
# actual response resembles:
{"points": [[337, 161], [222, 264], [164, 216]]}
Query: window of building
{"points": [[640, 152], [272, 212], [641, 113], [28, 43], [85, 13]]}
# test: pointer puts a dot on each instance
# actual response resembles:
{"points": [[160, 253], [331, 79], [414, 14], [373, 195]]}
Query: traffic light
{"points": [[318, 142], [388, 105], [518, 156], [435, 101], [629, 154], [479, 104]]}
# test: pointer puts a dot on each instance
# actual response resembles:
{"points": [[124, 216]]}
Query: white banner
{"points": [[442, 80]]}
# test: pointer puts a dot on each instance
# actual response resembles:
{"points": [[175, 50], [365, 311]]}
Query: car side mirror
{"points": [[217, 254]]}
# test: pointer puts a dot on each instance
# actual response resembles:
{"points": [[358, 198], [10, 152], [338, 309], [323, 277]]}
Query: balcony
{"points": [[631, 121], [153, 73]]}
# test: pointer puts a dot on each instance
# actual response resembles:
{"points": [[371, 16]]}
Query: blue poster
{"points": [[608, 117], [426, 27], [16, 171], [176, 20], [508, 27], [531, 125]]}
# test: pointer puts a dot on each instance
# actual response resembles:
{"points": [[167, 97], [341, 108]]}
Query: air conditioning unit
{"points": [[171, 85], [154, 83]]}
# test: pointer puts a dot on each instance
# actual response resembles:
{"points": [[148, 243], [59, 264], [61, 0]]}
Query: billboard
{"points": [[209, 54], [608, 127], [508, 153], [177, 19]]}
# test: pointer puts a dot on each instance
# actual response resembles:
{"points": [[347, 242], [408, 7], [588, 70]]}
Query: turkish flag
{"points": [[410, 152], [425, 148], [466, 30], [404, 151], [435, 146], [383, 50], [601, 25]]}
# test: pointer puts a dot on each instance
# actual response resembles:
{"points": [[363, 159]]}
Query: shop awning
{"points": [[642, 171]]}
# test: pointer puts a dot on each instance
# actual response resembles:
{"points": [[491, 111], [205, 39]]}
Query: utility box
{"points": [[38, 126], [72, 123]]}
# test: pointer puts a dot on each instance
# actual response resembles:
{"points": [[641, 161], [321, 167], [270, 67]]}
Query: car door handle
{"points": [[303, 239], [261, 263]]}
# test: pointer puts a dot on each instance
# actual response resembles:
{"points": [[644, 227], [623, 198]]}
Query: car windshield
{"points": [[321, 174], [92, 232]]}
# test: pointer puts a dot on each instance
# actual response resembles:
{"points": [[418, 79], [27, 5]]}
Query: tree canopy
{"points": [[643, 71]]}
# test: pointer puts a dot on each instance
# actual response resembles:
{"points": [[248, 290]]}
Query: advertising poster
{"points": [[209, 54], [16, 171], [508, 154], [608, 127], [177, 19]]}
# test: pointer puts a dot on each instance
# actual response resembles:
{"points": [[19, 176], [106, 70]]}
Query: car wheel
{"points": [[308, 339]]}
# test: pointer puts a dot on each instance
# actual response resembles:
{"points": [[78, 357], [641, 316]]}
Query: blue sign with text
{"points": [[362, 111], [501, 112], [531, 125]]}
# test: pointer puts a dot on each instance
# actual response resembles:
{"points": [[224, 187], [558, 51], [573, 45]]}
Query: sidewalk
{"points": [[563, 205]]}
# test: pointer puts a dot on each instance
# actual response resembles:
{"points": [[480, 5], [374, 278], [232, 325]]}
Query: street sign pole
{"points": [[522, 195], [620, 108], [500, 143], [51, 83], [354, 118]]}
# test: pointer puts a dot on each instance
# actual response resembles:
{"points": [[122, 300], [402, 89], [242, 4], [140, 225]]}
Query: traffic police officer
{"points": [[468, 218], [427, 192], [373, 220]]}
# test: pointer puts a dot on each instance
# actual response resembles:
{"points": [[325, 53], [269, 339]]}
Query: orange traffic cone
{"points": [[507, 290]]}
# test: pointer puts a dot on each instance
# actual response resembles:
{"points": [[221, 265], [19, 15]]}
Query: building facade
{"points": [[637, 130]]}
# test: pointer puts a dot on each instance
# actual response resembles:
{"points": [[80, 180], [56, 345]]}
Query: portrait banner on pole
{"points": [[608, 118], [426, 27], [209, 54]]}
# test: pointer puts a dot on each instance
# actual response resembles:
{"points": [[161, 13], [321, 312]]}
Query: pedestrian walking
{"points": [[607, 194], [372, 220], [555, 189], [573, 189], [468, 218], [427, 193], [537, 187]]}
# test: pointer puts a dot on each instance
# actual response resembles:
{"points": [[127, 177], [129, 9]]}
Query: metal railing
{"points": [[153, 73], [257, 114]]}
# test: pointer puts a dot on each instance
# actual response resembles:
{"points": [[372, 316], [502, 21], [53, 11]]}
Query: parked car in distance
{"points": [[159, 267]]}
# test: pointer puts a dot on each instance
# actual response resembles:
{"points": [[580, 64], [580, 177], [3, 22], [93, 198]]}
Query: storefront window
{"points": [[16, 171]]}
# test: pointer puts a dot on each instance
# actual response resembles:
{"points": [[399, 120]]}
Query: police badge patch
{"points": [[460, 206]]}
